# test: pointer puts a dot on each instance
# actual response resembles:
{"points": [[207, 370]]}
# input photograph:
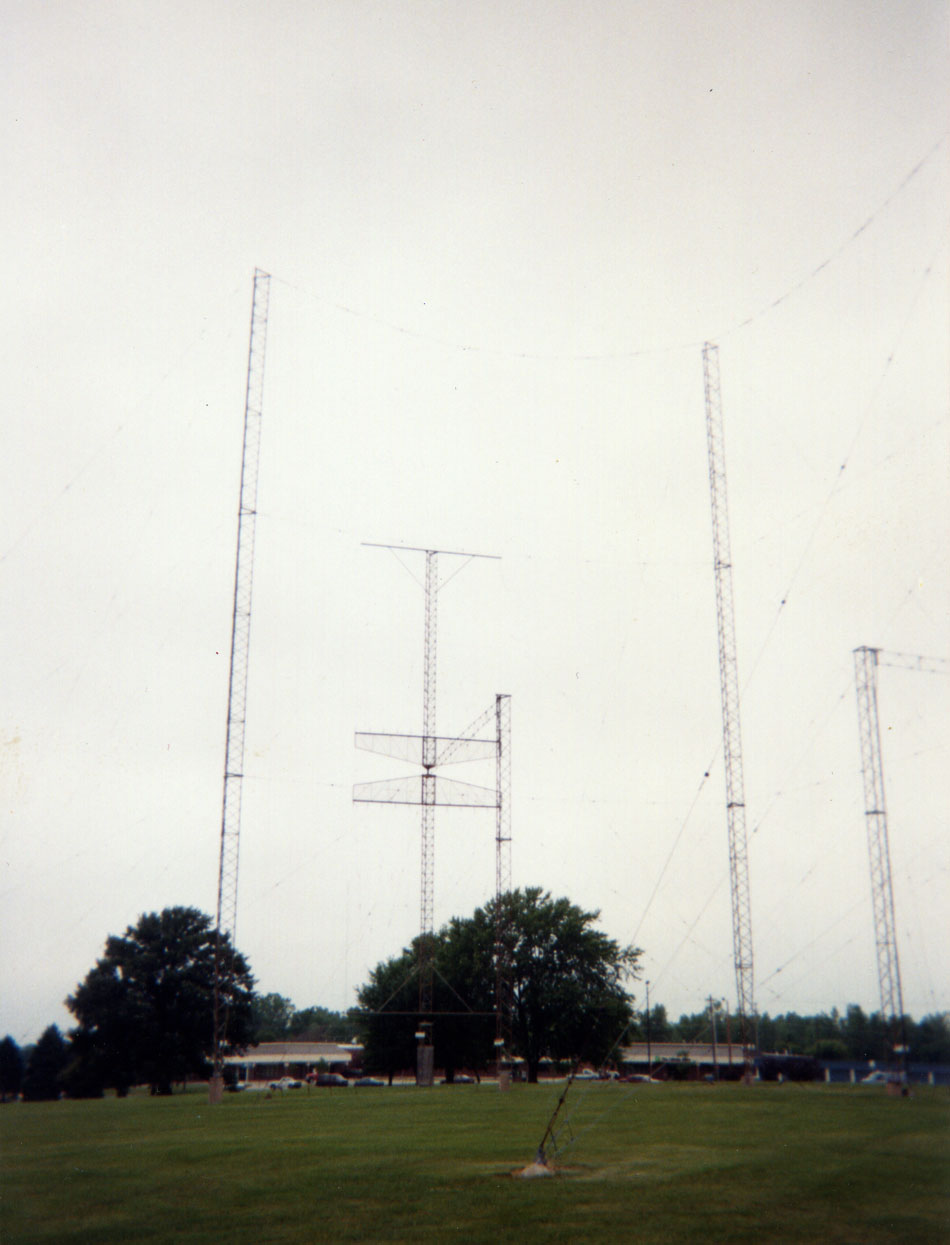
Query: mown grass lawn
{"points": [[776, 1163]]}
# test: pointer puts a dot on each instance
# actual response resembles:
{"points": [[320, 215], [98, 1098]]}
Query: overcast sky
{"points": [[499, 235]]}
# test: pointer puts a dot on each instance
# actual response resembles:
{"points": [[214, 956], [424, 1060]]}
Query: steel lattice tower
{"points": [[429, 746], [729, 688], [879, 853], [237, 683], [866, 661], [503, 949], [428, 750]]}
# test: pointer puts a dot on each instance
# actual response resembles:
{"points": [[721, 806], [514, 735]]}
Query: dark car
{"points": [[368, 1080], [330, 1079]]}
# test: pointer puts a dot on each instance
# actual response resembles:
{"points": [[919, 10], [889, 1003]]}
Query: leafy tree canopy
{"points": [[654, 1027], [145, 1011], [45, 1067], [855, 1035], [568, 982], [271, 1017], [11, 1069], [276, 1019], [929, 1039], [320, 1024]]}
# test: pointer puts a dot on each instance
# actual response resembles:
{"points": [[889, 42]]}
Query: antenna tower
{"points": [[729, 688], [866, 662], [503, 949], [428, 750], [237, 684], [427, 843]]}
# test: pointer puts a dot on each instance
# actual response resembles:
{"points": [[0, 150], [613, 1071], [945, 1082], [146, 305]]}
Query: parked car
{"points": [[368, 1080], [638, 1078], [587, 1075], [329, 1079], [287, 1082], [877, 1078]]}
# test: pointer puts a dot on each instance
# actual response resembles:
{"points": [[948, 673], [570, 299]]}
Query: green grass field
{"points": [[766, 1163]]}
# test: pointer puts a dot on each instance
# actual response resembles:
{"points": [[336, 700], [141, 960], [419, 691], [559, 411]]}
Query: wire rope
{"points": [[636, 352]]}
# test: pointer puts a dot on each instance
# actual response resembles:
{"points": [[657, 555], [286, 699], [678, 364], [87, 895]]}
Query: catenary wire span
{"points": [[641, 351]]}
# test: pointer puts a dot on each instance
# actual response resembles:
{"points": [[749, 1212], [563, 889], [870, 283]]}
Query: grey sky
{"points": [[498, 235]]}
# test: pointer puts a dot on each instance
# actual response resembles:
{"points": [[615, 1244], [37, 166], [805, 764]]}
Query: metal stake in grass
{"points": [[540, 1166]]}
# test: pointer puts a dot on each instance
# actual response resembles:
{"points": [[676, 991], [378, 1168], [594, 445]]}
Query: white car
{"points": [[286, 1082]]}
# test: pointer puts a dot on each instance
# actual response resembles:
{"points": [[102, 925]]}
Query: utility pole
{"points": [[712, 1018], [226, 920], [427, 749], [729, 1038], [729, 689], [866, 662]]}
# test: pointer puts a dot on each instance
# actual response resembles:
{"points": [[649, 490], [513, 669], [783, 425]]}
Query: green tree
{"points": [[11, 1069], [569, 1000], [464, 991], [694, 1027], [145, 1010], [105, 1044], [45, 1066], [656, 1026], [867, 1037], [320, 1024], [856, 1032], [765, 1029], [929, 1040], [568, 978], [387, 1017], [829, 1048], [272, 1017], [276, 1019], [792, 1034]]}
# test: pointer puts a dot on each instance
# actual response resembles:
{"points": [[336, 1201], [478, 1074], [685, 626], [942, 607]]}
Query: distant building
{"points": [[269, 1061], [682, 1060]]}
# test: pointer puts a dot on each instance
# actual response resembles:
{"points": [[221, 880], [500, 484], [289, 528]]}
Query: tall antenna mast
{"points": [[729, 688], [503, 949], [428, 750], [866, 661], [427, 861], [237, 683]]}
